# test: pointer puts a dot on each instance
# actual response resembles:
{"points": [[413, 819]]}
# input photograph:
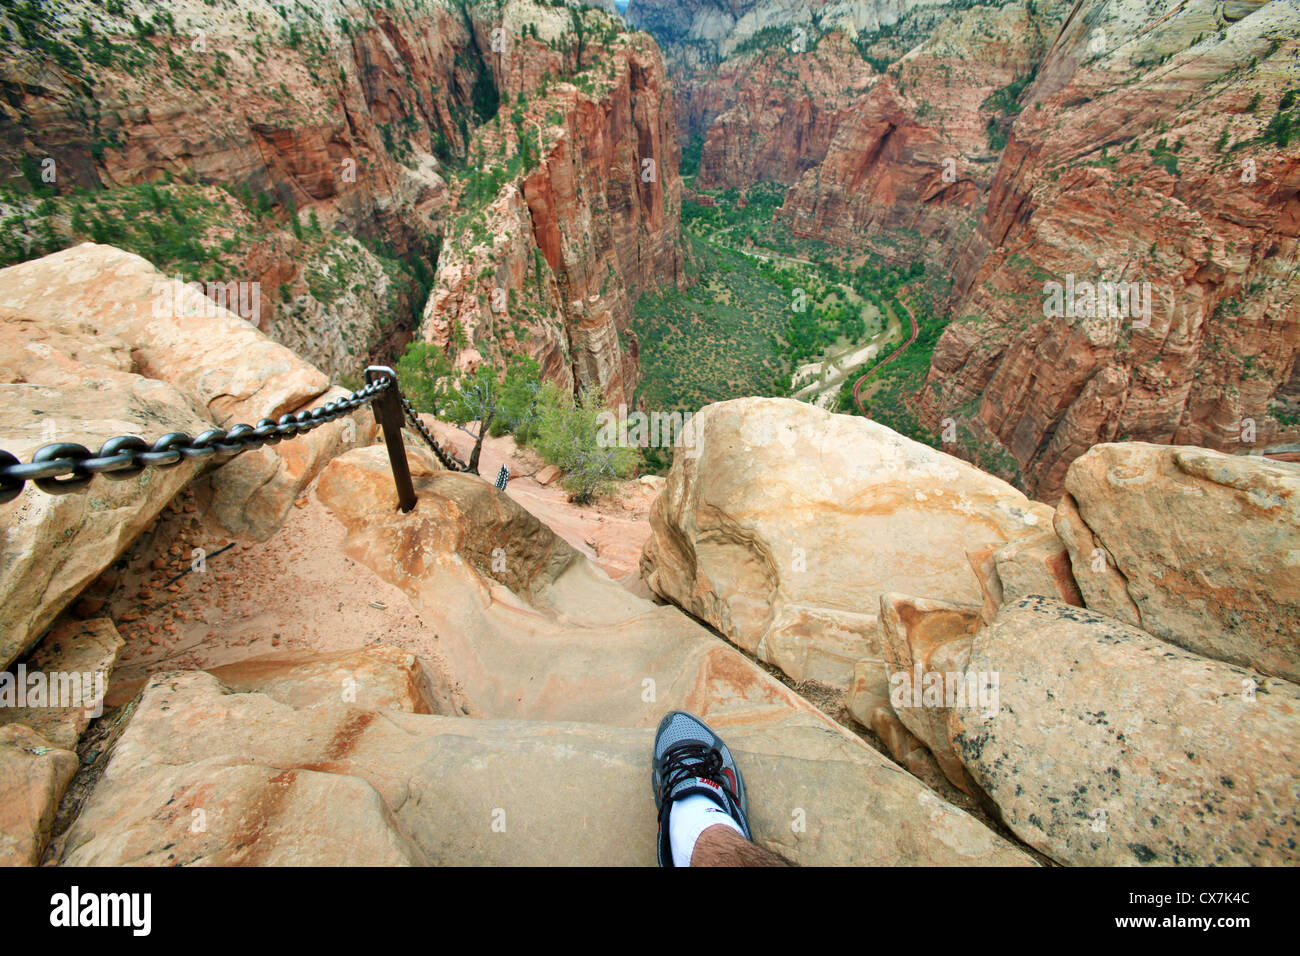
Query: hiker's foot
{"points": [[695, 777]]}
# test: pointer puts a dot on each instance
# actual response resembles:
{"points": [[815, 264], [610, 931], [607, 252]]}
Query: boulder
{"points": [[927, 644], [868, 703], [61, 380], [783, 524], [253, 493], [95, 343], [176, 333], [1194, 546], [33, 775], [228, 370], [1035, 564], [78, 657], [1112, 747]]}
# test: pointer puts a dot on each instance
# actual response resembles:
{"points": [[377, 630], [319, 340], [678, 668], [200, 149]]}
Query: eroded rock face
{"points": [[227, 368], [570, 243], [39, 736], [77, 658], [719, 26], [61, 381], [33, 775], [1035, 564], [787, 524], [260, 115], [1112, 747], [770, 118], [1196, 547], [910, 164], [1127, 164]]}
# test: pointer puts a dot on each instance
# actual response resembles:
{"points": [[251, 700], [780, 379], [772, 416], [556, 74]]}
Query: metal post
{"points": [[388, 413]]}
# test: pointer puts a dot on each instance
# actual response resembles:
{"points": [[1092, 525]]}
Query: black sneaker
{"points": [[690, 758]]}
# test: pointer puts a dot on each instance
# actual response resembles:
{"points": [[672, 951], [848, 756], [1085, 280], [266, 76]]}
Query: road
{"points": [[857, 386]]}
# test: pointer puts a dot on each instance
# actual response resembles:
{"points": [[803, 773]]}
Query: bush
{"points": [[568, 436]]}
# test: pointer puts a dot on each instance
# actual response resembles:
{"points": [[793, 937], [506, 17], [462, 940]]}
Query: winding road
{"points": [[857, 386]]}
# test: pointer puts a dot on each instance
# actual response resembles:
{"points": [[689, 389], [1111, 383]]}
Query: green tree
{"points": [[519, 408], [579, 37], [484, 396], [424, 372]]}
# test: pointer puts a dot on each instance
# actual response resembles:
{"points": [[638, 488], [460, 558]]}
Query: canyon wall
{"points": [[1142, 156], [310, 151], [909, 167], [292, 112], [587, 215]]}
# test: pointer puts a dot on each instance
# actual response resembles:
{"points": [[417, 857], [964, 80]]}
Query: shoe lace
{"points": [[689, 761]]}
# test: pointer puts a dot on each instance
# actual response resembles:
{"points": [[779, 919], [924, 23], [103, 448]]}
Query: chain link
{"points": [[63, 467], [449, 461]]}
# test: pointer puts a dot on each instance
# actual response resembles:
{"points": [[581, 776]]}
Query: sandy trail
{"points": [[298, 591]]}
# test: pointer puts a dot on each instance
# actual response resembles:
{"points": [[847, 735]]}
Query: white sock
{"points": [[688, 818]]}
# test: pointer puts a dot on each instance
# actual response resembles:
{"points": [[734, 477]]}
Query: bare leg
{"points": [[723, 846]]}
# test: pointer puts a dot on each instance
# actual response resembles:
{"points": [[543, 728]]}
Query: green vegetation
{"points": [[1005, 106], [717, 339], [761, 304], [172, 226], [568, 435], [1165, 157], [690, 162], [888, 396], [750, 221], [1284, 122], [564, 431]]}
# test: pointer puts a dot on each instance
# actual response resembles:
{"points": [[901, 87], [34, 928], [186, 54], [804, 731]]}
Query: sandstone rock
{"points": [[33, 776], [533, 631], [373, 678], [547, 475], [868, 703], [789, 553], [253, 493], [1037, 564], [176, 335], [927, 644], [331, 784], [986, 572], [1199, 548], [1112, 747], [77, 656], [769, 119], [179, 336]]}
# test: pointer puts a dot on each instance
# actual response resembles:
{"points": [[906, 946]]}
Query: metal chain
{"points": [[62, 467], [449, 461]]}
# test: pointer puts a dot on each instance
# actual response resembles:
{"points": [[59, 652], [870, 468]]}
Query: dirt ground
{"points": [[298, 590]]}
